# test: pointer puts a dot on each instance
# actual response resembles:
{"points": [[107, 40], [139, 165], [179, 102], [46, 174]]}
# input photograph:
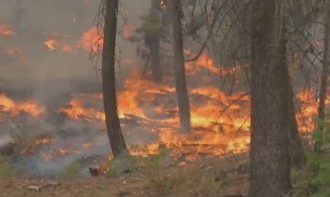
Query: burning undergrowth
{"points": [[43, 136], [46, 140]]}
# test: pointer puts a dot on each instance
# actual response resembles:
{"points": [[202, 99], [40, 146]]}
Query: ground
{"points": [[222, 176]]}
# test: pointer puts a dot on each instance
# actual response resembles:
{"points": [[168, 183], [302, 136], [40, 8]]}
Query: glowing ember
{"points": [[87, 145], [11, 51], [6, 30], [62, 42], [51, 44], [45, 140]]}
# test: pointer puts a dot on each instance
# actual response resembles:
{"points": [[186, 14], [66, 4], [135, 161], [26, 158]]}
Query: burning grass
{"points": [[148, 112], [220, 122], [8, 105]]}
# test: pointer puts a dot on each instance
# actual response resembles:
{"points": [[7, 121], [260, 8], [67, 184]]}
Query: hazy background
{"points": [[33, 66]]}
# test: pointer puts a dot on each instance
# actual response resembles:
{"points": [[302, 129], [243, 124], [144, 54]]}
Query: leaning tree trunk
{"points": [[180, 75], [115, 135], [324, 76], [270, 161]]}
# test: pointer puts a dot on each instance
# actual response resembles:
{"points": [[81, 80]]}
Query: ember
{"points": [[6, 30]]}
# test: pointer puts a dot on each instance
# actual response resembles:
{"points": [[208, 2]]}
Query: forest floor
{"points": [[159, 176]]}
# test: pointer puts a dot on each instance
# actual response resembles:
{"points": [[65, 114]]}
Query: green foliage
{"points": [[320, 162], [138, 164], [120, 166], [314, 179], [151, 25], [6, 168], [71, 170]]}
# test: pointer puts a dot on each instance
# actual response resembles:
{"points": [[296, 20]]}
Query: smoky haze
{"points": [[46, 59], [34, 67]]}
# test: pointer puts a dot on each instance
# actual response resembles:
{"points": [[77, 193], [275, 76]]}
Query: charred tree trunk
{"points": [[180, 75], [324, 76], [270, 161], [155, 46], [115, 135]]}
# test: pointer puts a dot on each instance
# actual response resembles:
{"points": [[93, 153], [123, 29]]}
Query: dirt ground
{"points": [[225, 177]]}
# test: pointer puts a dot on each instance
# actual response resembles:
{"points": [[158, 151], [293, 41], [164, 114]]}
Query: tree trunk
{"points": [[270, 161], [324, 76], [155, 46], [115, 135], [180, 76], [296, 149]]}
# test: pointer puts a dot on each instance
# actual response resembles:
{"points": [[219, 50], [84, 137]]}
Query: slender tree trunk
{"points": [[324, 76], [296, 149], [180, 75], [115, 135], [270, 161], [155, 46]]}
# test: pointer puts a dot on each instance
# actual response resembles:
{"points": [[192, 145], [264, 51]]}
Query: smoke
{"points": [[52, 76]]}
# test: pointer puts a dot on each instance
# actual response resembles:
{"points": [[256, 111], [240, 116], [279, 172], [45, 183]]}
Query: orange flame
{"points": [[91, 39], [14, 108], [76, 111], [51, 44], [204, 61]]}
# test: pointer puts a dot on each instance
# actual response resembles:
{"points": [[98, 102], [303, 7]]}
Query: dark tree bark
{"points": [[155, 45], [324, 76], [152, 33], [180, 76], [270, 161], [115, 135]]}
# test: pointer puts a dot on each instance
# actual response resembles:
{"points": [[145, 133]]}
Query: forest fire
{"points": [[75, 110], [51, 44], [8, 105], [220, 119], [306, 116], [204, 61], [218, 124], [221, 122], [91, 39]]}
